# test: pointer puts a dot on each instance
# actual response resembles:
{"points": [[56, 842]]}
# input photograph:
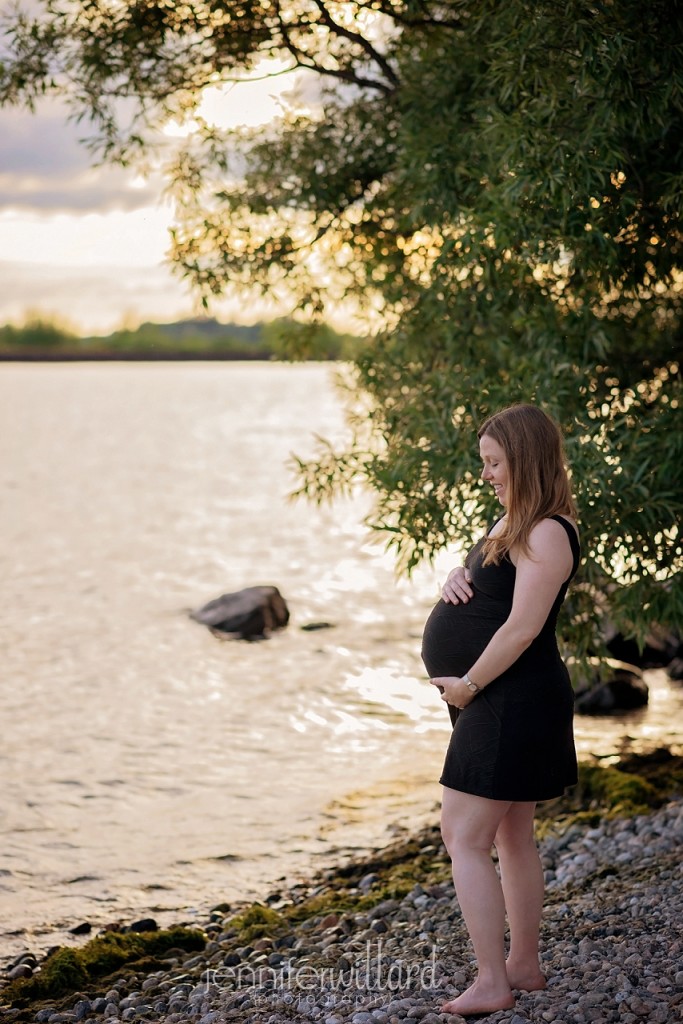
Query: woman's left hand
{"points": [[454, 691]]}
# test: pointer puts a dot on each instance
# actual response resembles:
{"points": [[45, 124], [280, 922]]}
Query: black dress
{"points": [[515, 740]]}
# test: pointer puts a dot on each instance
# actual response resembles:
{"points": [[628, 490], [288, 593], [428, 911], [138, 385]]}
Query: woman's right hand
{"points": [[457, 588]]}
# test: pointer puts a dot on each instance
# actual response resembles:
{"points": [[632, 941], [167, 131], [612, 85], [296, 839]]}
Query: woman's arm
{"points": [[539, 577]]}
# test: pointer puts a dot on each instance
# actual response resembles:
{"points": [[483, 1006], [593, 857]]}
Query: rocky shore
{"points": [[382, 941]]}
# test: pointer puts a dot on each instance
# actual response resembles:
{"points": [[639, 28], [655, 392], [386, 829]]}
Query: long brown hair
{"points": [[538, 482]]}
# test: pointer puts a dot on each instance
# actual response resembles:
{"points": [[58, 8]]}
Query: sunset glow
{"points": [[75, 238]]}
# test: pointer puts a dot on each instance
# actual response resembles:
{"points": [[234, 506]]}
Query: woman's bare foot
{"points": [[480, 998], [525, 979]]}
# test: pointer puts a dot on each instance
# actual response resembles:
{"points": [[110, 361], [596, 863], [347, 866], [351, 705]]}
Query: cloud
{"points": [[125, 238], [45, 165], [86, 243], [81, 195], [99, 299], [91, 299]]}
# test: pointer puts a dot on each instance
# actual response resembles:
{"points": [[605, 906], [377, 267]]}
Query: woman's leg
{"points": [[469, 825], [522, 879]]}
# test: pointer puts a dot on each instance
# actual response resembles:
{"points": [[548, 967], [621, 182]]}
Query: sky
{"points": [[85, 245]]}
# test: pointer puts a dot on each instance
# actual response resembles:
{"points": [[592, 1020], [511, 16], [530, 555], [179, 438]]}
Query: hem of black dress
{"points": [[508, 799]]}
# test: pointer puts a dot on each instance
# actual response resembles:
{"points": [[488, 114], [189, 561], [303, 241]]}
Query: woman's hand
{"points": [[454, 691], [457, 589]]}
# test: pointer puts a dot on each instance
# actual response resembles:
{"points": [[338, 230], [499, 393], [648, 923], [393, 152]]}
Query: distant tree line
{"points": [[199, 338]]}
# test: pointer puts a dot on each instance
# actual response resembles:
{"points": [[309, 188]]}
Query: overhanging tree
{"points": [[499, 185]]}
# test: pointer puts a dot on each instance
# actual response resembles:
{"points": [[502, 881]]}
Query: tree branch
{"points": [[404, 19], [304, 60], [359, 40]]}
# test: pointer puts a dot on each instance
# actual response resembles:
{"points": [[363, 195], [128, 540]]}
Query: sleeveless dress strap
{"points": [[573, 536], [573, 539]]}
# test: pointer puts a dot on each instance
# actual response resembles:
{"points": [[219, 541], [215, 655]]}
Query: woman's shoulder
{"points": [[547, 534], [564, 520]]}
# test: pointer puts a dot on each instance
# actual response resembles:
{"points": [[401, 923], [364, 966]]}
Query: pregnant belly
{"points": [[454, 637]]}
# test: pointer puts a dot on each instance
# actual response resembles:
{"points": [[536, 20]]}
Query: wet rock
{"points": [[20, 971], [25, 958], [623, 691], [145, 924], [81, 929], [82, 1008], [675, 669], [249, 614]]}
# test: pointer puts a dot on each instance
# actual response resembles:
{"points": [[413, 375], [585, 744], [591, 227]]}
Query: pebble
{"points": [[611, 944]]}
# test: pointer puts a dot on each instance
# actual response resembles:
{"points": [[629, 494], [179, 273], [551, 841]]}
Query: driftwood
{"points": [[249, 614]]}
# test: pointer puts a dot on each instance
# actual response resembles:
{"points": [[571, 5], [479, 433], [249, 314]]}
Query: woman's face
{"points": [[495, 469]]}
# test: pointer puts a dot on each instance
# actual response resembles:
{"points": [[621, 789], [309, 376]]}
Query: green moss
{"points": [[69, 970], [256, 921], [402, 876], [63, 972], [659, 767], [617, 791], [398, 868], [636, 785]]}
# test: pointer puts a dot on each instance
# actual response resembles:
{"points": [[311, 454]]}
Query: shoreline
{"points": [[139, 356], [382, 935]]}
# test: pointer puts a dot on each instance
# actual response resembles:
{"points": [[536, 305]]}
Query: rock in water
{"points": [[675, 669], [145, 924], [623, 691], [249, 614], [660, 649]]}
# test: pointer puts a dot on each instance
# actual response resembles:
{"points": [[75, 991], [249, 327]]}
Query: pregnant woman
{"points": [[489, 646]]}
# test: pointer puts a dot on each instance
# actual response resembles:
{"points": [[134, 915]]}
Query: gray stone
{"points": [[247, 614], [592, 999]]}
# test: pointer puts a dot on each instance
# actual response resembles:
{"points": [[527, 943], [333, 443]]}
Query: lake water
{"points": [[147, 767]]}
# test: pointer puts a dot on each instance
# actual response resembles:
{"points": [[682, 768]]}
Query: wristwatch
{"points": [[469, 684]]}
